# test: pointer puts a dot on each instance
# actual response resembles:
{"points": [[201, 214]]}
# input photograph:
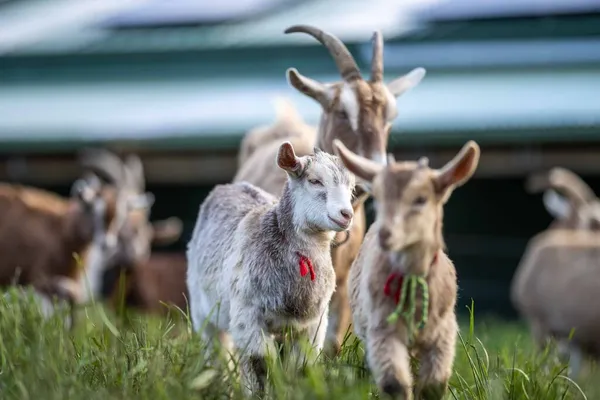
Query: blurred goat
{"points": [[289, 126], [356, 111], [567, 198], [41, 231], [147, 279], [559, 272], [147, 285]]}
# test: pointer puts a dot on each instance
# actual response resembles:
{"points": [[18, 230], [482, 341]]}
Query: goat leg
{"points": [[437, 359], [254, 344], [389, 361]]}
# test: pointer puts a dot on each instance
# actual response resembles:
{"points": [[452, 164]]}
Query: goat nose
{"points": [[384, 237], [346, 213]]}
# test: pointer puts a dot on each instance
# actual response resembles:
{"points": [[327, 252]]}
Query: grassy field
{"points": [[109, 356]]}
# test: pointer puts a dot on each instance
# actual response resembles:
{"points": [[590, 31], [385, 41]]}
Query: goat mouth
{"points": [[343, 225]]}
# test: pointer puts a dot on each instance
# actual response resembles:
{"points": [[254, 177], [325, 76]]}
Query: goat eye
{"points": [[315, 182], [419, 201]]}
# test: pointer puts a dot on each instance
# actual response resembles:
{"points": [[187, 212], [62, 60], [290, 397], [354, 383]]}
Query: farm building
{"points": [[181, 89]]}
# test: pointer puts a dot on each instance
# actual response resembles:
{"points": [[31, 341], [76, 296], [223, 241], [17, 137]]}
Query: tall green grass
{"points": [[133, 356]]}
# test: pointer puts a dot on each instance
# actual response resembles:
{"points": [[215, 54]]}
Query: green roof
{"points": [[206, 112]]}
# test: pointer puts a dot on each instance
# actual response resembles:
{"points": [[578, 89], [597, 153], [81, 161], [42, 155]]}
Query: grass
{"points": [[141, 357]]}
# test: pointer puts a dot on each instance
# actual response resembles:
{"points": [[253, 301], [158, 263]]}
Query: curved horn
{"points": [[563, 180], [135, 173], [572, 184], [377, 58], [104, 163], [338, 50]]}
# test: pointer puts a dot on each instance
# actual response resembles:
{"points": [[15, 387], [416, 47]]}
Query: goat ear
{"points": [[363, 168], [166, 231], [309, 87], [558, 206], [406, 82], [458, 170], [287, 160]]}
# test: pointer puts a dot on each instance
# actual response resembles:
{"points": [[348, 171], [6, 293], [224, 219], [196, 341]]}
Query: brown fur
{"points": [[407, 238], [40, 232], [558, 260], [552, 285], [375, 109], [148, 285]]}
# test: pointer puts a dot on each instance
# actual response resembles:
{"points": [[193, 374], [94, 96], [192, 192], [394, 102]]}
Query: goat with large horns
{"points": [[359, 113]]}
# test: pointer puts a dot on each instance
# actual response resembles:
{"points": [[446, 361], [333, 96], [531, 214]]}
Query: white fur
{"points": [[231, 257], [308, 206], [90, 279], [557, 205], [350, 103]]}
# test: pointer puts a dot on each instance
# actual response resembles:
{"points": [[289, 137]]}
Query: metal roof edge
{"points": [[489, 53], [399, 139]]}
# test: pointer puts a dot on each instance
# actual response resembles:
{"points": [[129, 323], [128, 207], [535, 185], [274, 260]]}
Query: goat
{"points": [[403, 270], [359, 113], [261, 144], [566, 197], [250, 252], [102, 222], [135, 235], [131, 229], [551, 288], [40, 232], [160, 279], [288, 125], [557, 261]]}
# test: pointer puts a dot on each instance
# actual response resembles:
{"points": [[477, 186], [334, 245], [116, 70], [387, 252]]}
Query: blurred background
{"points": [[179, 82]]}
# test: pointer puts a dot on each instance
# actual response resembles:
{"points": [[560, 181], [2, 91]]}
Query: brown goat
{"points": [[101, 223], [403, 271], [552, 289], [558, 261], [360, 114], [146, 285], [40, 232]]}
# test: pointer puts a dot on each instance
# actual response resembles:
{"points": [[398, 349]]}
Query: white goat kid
{"points": [[250, 257]]}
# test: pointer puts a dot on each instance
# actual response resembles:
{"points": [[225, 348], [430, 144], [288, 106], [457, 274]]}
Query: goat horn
{"points": [[135, 173], [377, 58], [564, 181], [103, 163], [338, 50], [571, 184]]}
